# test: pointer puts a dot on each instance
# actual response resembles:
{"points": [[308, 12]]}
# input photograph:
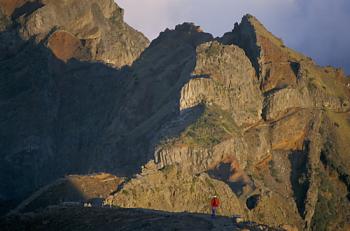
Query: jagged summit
{"points": [[275, 64], [260, 29], [188, 27], [186, 32]]}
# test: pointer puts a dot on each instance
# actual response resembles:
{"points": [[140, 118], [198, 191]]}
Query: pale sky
{"points": [[318, 28]]}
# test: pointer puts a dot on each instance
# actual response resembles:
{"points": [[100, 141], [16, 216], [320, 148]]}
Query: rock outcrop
{"points": [[275, 64], [84, 30], [224, 76], [9, 6], [172, 189]]}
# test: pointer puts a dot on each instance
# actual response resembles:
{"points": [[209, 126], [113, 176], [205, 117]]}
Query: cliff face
{"points": [[241, 116], [59, 73], [224, 76], [275, 65], [85, 30]]}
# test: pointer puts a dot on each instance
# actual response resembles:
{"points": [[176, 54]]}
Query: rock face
{"points": [[224, 76], [275, 65], [85, 30], [54, 55], [241, 116], [9, 6], [173, 190]]}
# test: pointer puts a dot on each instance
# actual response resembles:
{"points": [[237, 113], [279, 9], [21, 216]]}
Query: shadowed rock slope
{"points": [[56, 62], [90, 189], [241, 116]]}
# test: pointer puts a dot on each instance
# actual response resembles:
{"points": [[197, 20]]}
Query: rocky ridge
{"points": [[88, 30], [173, 190]]}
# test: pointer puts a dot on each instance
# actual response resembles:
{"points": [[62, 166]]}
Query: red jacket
{"points": [[215, 202]]}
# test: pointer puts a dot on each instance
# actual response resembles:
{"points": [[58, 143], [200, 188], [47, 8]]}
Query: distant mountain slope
{"points": [[59, 69]]}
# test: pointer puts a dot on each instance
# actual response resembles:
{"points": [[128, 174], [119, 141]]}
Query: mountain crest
{"points": [[87, 30], [276, 65], [188, 27]]}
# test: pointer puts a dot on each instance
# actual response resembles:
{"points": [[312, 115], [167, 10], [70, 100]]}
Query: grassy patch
{"points": [[213, 126], [327, 205], [326, 80], [272, 168], [125, 192], [332, 206], [273, 171], [168, 169], [342, 138], [214, 50], [312, 85]]}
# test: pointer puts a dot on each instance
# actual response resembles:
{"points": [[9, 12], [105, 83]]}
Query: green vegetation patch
{"points": [[329, 205], [327, 81], [274, 171], [341, 124], [212, 127], [333, 199], [214, 50]]}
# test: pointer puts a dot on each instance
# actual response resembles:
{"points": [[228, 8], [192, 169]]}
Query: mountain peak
{"points": [[186, 32], [188, 27], [89, 30], [251, 21], [275, 64]]}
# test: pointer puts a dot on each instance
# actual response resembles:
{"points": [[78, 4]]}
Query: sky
{"points": [[318, 28]]}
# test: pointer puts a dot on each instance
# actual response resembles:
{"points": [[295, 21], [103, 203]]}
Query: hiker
{"points": [[214, 205]]}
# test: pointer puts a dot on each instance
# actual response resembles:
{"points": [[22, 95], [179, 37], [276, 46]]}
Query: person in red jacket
{"points": [[214, 205]]}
